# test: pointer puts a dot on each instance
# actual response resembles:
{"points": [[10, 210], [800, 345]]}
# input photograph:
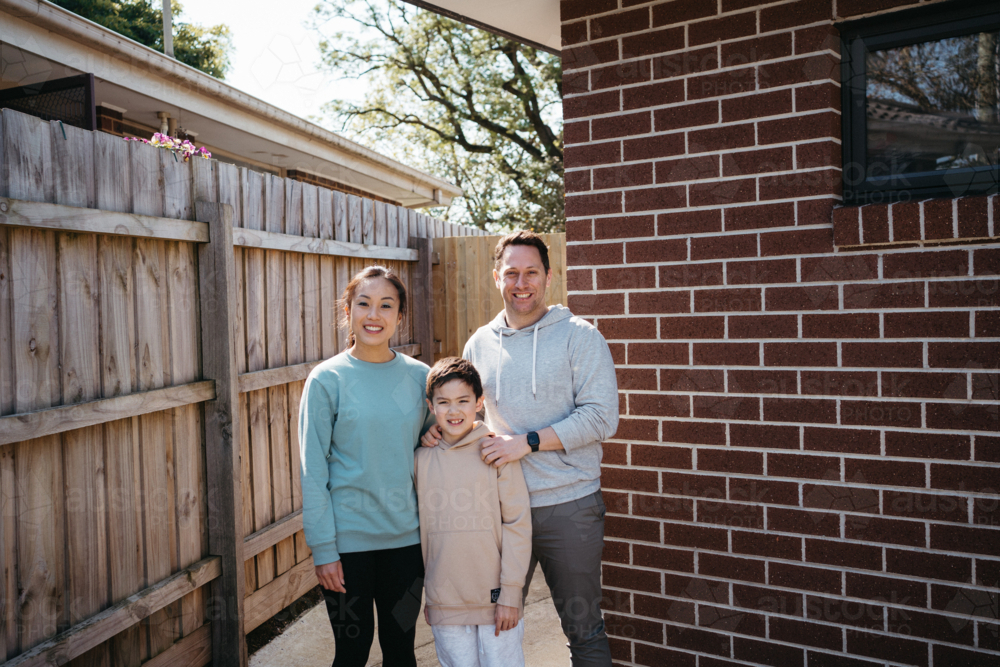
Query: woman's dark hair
{"points": [[522, 237], [454, 368], [347, 297]]}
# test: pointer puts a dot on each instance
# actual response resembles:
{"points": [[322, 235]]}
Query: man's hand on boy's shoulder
{"points": [[503, 449], [506, 619], [432, 437]]}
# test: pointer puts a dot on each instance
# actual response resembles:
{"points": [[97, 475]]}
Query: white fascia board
{"points": [[59, 35], [534, 22]]}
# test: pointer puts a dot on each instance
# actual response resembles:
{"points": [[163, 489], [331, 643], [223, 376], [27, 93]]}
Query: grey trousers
{"points": [[567, 540]]}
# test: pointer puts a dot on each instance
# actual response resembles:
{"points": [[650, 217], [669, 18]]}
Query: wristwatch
{"points": [[533, 441]]}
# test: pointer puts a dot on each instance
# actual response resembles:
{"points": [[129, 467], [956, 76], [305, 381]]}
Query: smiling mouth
{"points": [[373, 329], [455, 422], [522, 295]]}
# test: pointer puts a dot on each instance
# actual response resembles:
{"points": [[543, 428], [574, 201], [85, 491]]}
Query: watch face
{"points": [[533, 441]]}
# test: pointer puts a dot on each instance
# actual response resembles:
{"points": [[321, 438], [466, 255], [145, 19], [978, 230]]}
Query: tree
{"points": [[206, 49], [476, 109]]}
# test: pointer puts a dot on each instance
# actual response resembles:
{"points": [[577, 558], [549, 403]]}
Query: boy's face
{"points": [[455, 406]]}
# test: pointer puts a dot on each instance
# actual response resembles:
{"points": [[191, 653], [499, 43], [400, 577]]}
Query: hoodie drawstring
{"points": [[534, 358], [499, 361], [534, 353]]}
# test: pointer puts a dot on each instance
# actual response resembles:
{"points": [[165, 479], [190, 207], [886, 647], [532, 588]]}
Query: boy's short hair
{"points": [[454, 368], [522, 237]]}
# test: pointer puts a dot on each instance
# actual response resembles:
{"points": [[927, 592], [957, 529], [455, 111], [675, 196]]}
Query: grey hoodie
{"points": [[557, 373]]}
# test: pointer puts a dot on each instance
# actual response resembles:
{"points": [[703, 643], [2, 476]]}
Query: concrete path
{"points": [[309, 641]]}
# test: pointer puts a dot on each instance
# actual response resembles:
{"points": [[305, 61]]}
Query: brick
{"points": [[656, 655], [892, 295], [855, 615], [844, 554], [661, 456], [659, 146], [595, 253], [575, 82], [767, 436], [808, 69], [766, 326], [653, 94], [727, 300], [987, 323], [691, 485], [882, 355], [629, 328], [756, 49], [928, 445], [795, 14], [742, 163], [763, 491], [968, 417], [574, 33], [760, 216], [682, 11], [617, 352], [963, 355], [726, 354], [844, 441], [686, 116], [658, 353], [818, 154], [624, 228], [981, 293], [695, 433], [875, 223], [661, 507], [817, 38], [924, 385], [623, 125], [699, 537], [841, 498], [738, 515], [761, 272], [653, 42], [987, 449], [626, 479], [722, 193], [820, 96], [579, 279], [692, 379], [952, 655], [795, 631], [772, 546], [800, 354], [939, 219], [632, 579], [813, 297], [973, 217], [730, 82], [591, 154], [672, 250], [688, 222], [734, 462], [927, 565], [802, 466], [632, 529], [884, 647], [651, 199], [590, 105], [847, 226], [760, 381], [799, 128], [880, 413], [663, 559], [726, 137], [987, 570], [906, 221], [927, 324], [691, 275], [688, 169], [633, 277], [621, 74], [615, 453], [986, 261], [798, 242], [578, 181], [839, 383], [726, 407], [885, 589], [728, 567], [623, 176], [968, 479], [597, 304], [576, 9], [767, 653], [673, 328], [619, 24], [686, 62], [923, 506], [877, 530], [590, 55], [800, 410], [658, 303], [804, 578], [633, 628], [726, 28], [725, 246], [698, 640], [657, 405], [595, 204], [801, 184], [925, 264]]}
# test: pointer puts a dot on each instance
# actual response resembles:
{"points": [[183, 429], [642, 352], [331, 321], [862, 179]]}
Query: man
{"points": [[551, 398]]}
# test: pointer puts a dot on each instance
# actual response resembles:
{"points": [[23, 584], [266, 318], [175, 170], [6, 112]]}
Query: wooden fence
{"points": [[157, 321], [465, 294]]}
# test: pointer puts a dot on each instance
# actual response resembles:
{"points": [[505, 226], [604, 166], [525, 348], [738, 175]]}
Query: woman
{"points": [[361, 416]]}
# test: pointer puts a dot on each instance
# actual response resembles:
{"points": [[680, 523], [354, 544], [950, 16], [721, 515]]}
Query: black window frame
{"points": [[895, 29]]}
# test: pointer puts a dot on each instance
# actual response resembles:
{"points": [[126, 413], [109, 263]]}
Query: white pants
{"points": [[476, 646]]}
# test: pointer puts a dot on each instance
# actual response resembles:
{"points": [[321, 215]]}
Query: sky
{"points": [[276, 56]]}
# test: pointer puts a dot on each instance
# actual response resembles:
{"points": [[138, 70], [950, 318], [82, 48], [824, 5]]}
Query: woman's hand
{"points": [[331, 576], [506, 618], [432, 438]]}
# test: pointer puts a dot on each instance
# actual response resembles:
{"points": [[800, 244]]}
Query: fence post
{"points": [[217, 290], [422, 299]]}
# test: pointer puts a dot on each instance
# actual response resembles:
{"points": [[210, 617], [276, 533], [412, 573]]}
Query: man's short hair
{"points": [[523, 237], [454, 368]]}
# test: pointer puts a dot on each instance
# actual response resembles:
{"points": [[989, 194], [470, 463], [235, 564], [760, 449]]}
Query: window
{"points": [[921, 103]]}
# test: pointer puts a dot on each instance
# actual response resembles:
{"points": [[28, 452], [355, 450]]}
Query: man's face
{"points": [[522, 281]]}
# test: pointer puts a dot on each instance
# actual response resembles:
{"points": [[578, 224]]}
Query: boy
{"points": [[475, 530]]}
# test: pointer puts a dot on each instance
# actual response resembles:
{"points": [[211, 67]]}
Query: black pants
{"points": [[392, 579]]}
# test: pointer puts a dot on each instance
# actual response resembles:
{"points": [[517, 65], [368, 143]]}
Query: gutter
{"points": [[67, 24]]}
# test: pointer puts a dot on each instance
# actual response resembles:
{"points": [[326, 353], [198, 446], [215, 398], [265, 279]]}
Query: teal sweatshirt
{"points": [[359, 423]]}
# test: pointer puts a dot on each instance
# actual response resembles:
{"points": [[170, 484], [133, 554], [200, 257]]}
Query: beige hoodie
{"points": [[475, 532]]}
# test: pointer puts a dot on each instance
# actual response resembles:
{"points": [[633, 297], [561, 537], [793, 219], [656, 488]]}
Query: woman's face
{"points": [[374, 312]]}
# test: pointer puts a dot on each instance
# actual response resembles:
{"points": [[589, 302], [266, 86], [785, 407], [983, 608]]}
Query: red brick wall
{"points": [[806, 471]]}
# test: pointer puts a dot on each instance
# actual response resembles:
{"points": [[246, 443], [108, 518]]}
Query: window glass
{"points": [[934, 106]]}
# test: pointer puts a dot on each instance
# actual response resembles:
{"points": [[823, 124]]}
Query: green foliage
{"points": [[478, 110], [206, 49]]}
